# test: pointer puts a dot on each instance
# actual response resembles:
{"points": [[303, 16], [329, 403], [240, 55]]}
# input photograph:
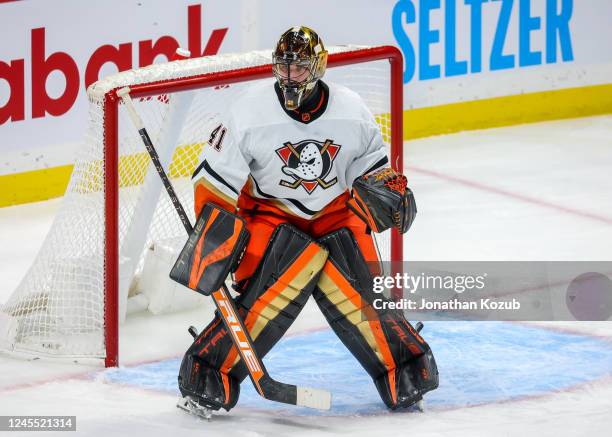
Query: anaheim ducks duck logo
{"points": [[308, 163]]}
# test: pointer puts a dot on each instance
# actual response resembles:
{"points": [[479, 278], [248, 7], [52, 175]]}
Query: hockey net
{"points": [[70, 302]]}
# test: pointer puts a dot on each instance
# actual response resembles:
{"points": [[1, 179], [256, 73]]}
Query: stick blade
{"points": [[313, 398]]}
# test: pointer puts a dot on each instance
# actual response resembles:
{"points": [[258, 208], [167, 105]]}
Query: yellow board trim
{"points": [[34, 186], [508, 111], [37, 185]]}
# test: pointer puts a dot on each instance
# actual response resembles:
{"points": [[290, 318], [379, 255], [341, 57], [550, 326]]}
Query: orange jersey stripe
{"points": [[204, 192]]}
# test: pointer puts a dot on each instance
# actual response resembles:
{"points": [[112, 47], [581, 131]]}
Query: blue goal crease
{"points": [[479, 362]]}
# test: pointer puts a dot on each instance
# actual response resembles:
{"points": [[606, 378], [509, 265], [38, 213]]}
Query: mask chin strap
{"points": [[293, 97]]}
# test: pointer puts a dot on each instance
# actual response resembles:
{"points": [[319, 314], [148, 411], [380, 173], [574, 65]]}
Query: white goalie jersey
{"points": [[300, 166]]}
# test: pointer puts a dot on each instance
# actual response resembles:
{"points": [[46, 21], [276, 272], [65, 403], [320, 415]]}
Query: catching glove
{"points": [[383, 200]]}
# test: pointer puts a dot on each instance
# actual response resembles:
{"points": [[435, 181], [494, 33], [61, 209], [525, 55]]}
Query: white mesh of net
{"points": [[58, 309]]}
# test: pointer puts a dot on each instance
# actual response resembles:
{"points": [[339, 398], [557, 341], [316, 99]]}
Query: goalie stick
{"points": [[264, 384]]}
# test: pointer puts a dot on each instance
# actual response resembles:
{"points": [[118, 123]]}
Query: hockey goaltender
{"points": [[303, 165]]}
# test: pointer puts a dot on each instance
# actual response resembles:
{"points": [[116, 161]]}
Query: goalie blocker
{"points": [[212, 250], [383, 200]]}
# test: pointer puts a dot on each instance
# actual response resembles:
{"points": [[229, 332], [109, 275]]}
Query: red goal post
{"points": [[47, 314]]}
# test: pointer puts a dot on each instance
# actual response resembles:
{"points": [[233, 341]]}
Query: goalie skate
{"points": [[191, 406]]}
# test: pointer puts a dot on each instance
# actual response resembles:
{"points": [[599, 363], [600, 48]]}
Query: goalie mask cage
{"points": [[74, 295]]}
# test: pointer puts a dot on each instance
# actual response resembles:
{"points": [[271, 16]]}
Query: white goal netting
{"points": [[59, 307]]}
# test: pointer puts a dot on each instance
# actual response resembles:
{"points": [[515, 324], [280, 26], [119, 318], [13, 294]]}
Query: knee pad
{"points": [[272, 299], [392, 352]]}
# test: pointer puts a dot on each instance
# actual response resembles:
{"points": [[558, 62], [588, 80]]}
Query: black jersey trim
{"points": [[299, 205], [204, 165], [381, 162], [198, 169], [312, 108]]}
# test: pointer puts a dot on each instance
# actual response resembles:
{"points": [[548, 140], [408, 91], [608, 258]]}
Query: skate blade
{"points": [[416, 407], [190, 406]]}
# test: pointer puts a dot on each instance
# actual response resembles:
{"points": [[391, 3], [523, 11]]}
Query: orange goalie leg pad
{"points": [[396, 357]]}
